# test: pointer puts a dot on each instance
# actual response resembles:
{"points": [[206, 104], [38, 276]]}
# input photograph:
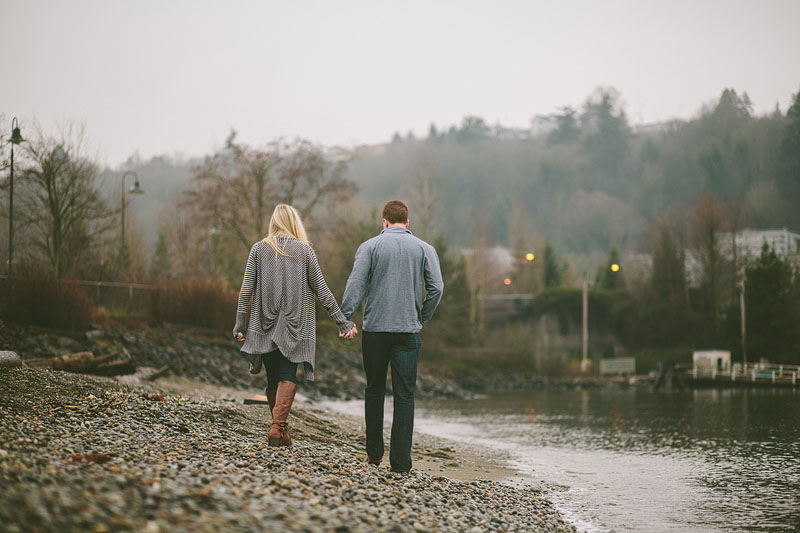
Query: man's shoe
{"points": [[401, 471], [375, 462]]}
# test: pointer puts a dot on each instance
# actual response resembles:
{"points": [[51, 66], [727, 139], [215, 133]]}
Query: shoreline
{"points": [[86, 453]]}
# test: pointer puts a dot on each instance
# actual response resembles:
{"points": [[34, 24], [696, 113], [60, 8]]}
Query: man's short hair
{"points": [[395, 212]]}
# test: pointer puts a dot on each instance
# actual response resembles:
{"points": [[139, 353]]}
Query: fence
{"points": [[618, 366], [755, 373], [132, 298]]}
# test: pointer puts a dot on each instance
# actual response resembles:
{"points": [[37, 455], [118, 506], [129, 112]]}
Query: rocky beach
{"points": [[86, 453]]}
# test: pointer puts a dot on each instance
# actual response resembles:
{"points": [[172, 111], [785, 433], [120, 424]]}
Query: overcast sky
{"points": [[175, 76]]}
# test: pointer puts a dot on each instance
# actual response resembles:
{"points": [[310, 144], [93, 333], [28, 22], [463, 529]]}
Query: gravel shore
{"points": [[80, 453]]}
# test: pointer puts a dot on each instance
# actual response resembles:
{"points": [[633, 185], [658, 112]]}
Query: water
{"points": [[632, 460]]}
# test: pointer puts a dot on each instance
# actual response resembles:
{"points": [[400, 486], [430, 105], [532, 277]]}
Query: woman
{"points": [[281, 278]]}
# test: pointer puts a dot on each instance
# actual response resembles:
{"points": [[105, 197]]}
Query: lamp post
{"points": [[585, 325], [16, 138], [585, 318], [136, 189], [744, 321]]}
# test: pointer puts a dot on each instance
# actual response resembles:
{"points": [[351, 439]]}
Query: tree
{"points": [[608, 133], [433, 134], [423, 196], [734, 106], [472, 129], [664, 308], [609, 276], [553, 269], [790, 144], [567, 129], [450, 325], [61, 200], [236, 189], [160, 265], [772, 318], [709, 221]]}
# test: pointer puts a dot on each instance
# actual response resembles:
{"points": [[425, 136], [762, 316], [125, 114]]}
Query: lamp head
{"points": [[136, 189], [16, 136]]}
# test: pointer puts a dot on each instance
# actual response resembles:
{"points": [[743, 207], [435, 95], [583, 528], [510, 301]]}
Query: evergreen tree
{"points": [[450, 325], [567, 129], [160, 268], [553, 269], [772, 309], [609, 277], [790, 144]]}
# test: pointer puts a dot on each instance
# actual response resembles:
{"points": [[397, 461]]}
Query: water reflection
{"points": [[726, 459]]}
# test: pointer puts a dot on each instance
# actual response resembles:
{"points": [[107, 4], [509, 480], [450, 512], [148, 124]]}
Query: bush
{"points": [[204, 303], [44, 301]]}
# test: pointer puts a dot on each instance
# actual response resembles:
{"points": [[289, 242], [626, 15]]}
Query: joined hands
{"points": [[350, 334]]}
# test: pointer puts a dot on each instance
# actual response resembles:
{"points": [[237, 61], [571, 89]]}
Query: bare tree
{"points": [[709, 220], [425, 202], [61, 199], [235, 190]]}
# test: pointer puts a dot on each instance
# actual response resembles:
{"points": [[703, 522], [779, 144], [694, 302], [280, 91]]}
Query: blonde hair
{"points": [[285, 221]]}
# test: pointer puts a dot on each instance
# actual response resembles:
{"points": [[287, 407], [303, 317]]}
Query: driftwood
{"points": [[158, 373], [74, 362], [111, 364]]}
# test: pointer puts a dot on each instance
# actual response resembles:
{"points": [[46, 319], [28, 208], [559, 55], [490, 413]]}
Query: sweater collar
{"points": [[396, 230]]}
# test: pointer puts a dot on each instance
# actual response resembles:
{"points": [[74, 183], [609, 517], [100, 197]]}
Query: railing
{"points": [[753, 373], [112, 294]]}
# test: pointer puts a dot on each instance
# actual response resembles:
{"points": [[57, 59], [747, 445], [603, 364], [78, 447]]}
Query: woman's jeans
{"points": [[401, 350], [278, 368]]}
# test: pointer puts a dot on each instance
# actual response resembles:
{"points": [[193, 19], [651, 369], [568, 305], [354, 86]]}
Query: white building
{"points": [[749, 243]]}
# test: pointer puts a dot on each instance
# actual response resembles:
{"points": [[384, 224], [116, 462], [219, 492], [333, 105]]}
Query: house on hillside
{"points": [[744, 246]]}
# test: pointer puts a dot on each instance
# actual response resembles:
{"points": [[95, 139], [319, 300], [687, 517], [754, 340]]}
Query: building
{"points": [[749, 242], [745, 246]]}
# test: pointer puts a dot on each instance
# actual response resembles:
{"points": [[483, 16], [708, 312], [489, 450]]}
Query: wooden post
{"points": [[744, 322], [585, 327]]}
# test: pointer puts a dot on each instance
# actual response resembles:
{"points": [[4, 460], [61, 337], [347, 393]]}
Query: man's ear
{"points": [[407, 222], [385, 223]]}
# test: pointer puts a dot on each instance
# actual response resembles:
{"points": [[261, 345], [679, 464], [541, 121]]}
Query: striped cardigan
{"points": [[279, 292]]}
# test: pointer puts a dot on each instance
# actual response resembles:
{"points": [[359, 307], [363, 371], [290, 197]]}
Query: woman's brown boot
{"points": [[271, 400], [279, 428]]}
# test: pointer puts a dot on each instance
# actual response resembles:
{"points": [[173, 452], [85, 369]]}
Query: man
{"points": [[395, 266]]}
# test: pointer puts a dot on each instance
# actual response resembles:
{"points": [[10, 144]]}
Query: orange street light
{"points": [[615, 268], [507, 281], [529, 256]]}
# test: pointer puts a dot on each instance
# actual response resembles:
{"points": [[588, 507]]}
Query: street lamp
{"points": [[585, 318], [136, 189], [16, 138]]}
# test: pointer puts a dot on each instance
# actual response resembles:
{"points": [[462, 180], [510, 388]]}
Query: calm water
{"points": [[705, 460]]}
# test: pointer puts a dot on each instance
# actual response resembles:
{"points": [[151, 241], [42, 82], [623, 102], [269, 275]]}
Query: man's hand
{"points": [[240, 337], [350, 334]]}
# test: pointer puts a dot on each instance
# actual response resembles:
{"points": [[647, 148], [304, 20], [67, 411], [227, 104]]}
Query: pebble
{"points": [[193, 463]]}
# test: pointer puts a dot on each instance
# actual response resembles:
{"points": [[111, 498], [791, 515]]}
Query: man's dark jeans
{"points": [[402, 351]]}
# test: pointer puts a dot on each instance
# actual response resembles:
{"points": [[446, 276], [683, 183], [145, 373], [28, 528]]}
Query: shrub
{"points": [[204, 303], [44, 301]]}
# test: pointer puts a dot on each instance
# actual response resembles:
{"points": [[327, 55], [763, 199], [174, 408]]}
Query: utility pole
{"points": [[585, 359], [744, 322]]}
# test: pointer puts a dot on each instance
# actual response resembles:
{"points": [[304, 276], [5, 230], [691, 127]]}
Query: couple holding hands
{"points": [[402, 280]]}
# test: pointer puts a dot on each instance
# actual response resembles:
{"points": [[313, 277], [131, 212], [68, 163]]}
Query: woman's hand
{"points": [[350, 334], [240, 337]]}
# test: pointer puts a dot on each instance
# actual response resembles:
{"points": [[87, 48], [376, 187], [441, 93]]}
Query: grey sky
{"points": [[170, 76]]}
